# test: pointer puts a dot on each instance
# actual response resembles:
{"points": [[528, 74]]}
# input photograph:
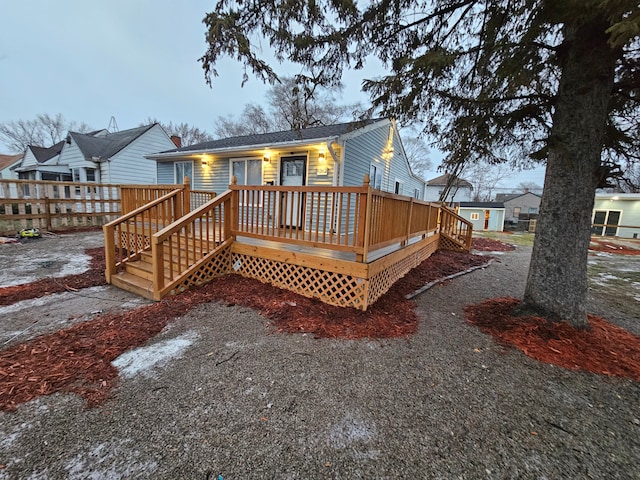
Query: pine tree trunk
{"points": [[557, 281]]}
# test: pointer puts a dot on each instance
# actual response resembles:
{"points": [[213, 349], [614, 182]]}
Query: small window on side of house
{"points": [[475, 216], [516, 211], [398, 187]]}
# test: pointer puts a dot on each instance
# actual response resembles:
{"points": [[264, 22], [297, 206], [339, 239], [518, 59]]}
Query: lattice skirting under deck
{"points": [[447, 243], [218, 265], [332, 288], [380, 283]]}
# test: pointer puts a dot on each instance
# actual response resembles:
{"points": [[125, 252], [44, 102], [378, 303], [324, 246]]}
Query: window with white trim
{"points": [[248, 171], [183, 169]]}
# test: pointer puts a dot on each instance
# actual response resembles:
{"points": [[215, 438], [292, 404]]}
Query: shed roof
{"points": [[481, 204]]}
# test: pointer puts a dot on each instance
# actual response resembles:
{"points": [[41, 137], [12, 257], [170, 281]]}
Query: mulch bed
{"points": [[603, 245], [46, 286], [78, 359], [490, 245], [605, 348]]}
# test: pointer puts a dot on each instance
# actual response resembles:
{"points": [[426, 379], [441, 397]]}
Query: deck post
{"points": [[109, 252], [186, 196], [234, 208], [157, 258], [410, 213], [364, 221]]}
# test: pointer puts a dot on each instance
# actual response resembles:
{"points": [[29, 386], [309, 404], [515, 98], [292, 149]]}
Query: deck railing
{"points": [[183, 247], [456, 229], [136, 196], [128, 236], [353, 219]]}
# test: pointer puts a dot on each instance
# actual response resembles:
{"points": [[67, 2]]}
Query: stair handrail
{"points": [[456, 228], [190, 263], [111, 264]]}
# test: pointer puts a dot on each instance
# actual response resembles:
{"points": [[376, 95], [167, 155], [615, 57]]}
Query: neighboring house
{"points": [[519, 206], [98, 156], [484, 216], [620, 212], [461, 190], [7, 164], [331, 155]]}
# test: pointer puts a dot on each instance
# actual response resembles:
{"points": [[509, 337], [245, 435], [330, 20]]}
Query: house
{"points": [[7, 164], [616, 214], [331, 155], [484, 216], [461, 190], [99, 156], [519, 208]]}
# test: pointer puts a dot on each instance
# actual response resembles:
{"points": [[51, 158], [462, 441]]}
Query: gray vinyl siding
{"points": [[73, 157], [314, 165], [368, 148], [165, 173], [360, 152], [129, 165]]}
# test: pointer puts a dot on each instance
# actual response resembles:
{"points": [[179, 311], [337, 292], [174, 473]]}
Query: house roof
{"points": [[482, 204], [8, 160], [443, 180], [106, 146], [42, 154], [507, 197], [274, 138]]}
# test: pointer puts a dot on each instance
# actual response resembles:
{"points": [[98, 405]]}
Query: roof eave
{"points": [[241, 148]]}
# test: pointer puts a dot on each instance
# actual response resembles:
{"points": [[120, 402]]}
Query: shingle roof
{"points": [[106, 146], [8, 160], [43, 154], [307, 134], [444, 180]]}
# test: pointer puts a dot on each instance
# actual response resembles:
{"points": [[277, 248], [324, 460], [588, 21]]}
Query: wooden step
{"points": [[134, 284]]}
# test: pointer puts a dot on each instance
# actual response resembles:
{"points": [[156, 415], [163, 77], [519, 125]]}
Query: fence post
{"points": [[47, 206]]}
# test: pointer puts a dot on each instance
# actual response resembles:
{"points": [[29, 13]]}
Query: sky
{"points": [[131, 60]]}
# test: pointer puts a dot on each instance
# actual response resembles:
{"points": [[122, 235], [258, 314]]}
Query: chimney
{"points": [[526, 190], [176, 140]]}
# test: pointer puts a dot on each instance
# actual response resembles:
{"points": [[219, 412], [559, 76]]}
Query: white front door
{"points": [[292, 174]]}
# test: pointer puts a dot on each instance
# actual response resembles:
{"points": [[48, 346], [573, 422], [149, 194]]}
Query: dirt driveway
{"points": [[218, 393], [54, 256]]}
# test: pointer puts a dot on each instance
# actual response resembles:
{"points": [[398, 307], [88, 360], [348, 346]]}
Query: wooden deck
{"points": [[344, 246]]}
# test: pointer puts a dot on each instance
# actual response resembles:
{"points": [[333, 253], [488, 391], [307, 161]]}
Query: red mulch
{"points": [[78, 359], [604, 245], [605, 348], [490, 245], [46, 286]]}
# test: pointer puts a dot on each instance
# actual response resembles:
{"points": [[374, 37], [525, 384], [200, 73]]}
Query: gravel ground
{"points": [[217, 393]]}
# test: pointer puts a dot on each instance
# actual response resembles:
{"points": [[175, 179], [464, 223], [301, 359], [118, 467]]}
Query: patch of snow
{"points": [[8, 439], [54, 298], [351, 430], [78, 263], [114, 460], [143, 359]]}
